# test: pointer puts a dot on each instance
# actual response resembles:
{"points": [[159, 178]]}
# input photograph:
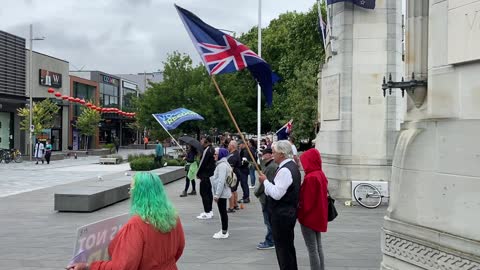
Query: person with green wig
{"points": [[153, 238]]}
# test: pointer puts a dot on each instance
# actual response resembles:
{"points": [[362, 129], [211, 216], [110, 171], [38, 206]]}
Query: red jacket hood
{"points": [[311, 161]]}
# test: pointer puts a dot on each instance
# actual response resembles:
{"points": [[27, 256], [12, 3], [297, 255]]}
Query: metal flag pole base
{"points": [[235, 123]]}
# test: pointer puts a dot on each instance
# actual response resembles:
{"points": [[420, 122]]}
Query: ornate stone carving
{"points": [[424, 256]]}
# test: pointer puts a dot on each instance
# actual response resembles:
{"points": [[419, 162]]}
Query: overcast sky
{"points": [[128, 36]]}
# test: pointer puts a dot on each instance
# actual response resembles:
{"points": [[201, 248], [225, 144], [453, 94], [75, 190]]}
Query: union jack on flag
{"points": [[221, 53]]}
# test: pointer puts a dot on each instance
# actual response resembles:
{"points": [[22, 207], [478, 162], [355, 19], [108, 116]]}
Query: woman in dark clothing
{"points": [[191, 168]]}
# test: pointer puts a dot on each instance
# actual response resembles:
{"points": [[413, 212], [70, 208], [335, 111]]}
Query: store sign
{"points": [[129, 85], [50, 79], [110, 80]]}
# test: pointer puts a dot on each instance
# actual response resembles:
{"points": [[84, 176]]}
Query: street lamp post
{"points": [[30, 71]]}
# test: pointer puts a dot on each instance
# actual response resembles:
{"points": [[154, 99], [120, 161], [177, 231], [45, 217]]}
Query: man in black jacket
{"points": [[205, 170], [282, 201], [243, 172]]}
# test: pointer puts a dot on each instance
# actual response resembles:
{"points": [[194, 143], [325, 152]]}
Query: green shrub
{"points": [[132, 157], [110, 146], [172, 162], [143, 164]]}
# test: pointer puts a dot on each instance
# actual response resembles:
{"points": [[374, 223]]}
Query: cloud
{"points": [[128, 36]]}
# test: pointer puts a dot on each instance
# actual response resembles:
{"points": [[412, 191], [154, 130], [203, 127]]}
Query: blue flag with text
{"points": [[172, 119], [370, 4]]}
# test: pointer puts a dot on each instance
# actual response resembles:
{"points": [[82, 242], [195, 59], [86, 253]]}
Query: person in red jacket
{"points": [[313, 206], [153, 237]]}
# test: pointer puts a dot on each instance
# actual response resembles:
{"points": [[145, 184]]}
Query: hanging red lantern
{"points": [[81, 101], [93, 107], [89, 105], [98, 109], [58, 94], [71, 99], [104, 110], [64, 97], [77, 100], [50, 90]]}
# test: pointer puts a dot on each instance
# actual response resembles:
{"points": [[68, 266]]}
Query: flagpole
{"points": [[259, 92], [234, 122], [170, 134]]}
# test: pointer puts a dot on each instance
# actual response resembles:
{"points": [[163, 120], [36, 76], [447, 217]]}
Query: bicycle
{"points": [[367, 195], [9, 155]]}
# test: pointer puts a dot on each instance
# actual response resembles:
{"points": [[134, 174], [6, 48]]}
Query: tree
{"points": [[44, 113], [87, 123], [291, 45]]}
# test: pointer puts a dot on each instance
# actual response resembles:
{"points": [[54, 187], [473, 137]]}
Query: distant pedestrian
{"points": [[153, 237], [39, 151], [269, 168], [313, 207], [282, 202], [145, 142], [294, 150], [48, 151], [116, 142], [220, 189], [159, 153]]}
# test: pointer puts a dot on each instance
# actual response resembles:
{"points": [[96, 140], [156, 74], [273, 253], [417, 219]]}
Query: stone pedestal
{"points": [[433, 217], [359, 126]]}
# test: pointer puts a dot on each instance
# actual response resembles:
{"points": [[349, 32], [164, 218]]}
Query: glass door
{"points": [[4, 130]]}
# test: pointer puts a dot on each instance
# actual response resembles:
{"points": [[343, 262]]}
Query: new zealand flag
{"points": [[370, 4], [221, 53]]}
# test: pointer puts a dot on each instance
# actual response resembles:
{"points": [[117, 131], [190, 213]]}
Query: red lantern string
{"points": [[71, 99], [50, 90], [81, 101], [58, 94], [64, 97], [77, 100]]}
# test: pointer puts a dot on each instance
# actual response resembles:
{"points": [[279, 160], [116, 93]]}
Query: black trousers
{"points": [[48, 155], [206, 193], [187, 184], [222, 209], [283, 237], [244, 183]]}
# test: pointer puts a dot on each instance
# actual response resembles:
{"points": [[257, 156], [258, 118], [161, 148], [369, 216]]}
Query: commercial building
{"points": [[50, 72], [12, 90], [109, 96], [89, 91]]}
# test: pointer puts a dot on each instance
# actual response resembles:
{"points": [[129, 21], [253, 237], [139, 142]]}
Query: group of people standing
{"points": [[283, 195]]}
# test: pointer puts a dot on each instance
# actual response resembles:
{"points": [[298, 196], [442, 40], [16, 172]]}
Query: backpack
{"points": [[231, 178]]}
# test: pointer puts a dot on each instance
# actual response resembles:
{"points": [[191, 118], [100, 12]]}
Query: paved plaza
{"points": [[33, 236]]}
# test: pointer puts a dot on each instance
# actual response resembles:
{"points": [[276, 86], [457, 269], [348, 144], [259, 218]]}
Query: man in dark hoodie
{"points": [[205, 170]]}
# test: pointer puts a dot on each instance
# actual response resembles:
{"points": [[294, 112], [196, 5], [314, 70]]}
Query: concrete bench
{"points": [[108, 160], [91, 195]]}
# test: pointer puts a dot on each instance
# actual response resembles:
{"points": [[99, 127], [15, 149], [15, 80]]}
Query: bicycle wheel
{"points": [[367, 195], [18, 157], [6, 157]]}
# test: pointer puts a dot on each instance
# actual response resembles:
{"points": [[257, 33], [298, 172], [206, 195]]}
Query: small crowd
{"points": [[154, 239]]}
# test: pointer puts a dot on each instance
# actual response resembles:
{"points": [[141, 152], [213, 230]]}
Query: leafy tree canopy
{"points": [[291, 44]]}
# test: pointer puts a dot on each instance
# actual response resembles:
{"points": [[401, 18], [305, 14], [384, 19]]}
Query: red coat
{"points": [[139, 246], [313, 203]]}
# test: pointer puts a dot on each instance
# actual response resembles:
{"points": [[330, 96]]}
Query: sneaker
{"points": [[251, 187], [210, 214], [264, 246], [247, 200], [192, 193], [204, 216], [221, 235], [230, 210], [236, 208], [184, 194]]}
